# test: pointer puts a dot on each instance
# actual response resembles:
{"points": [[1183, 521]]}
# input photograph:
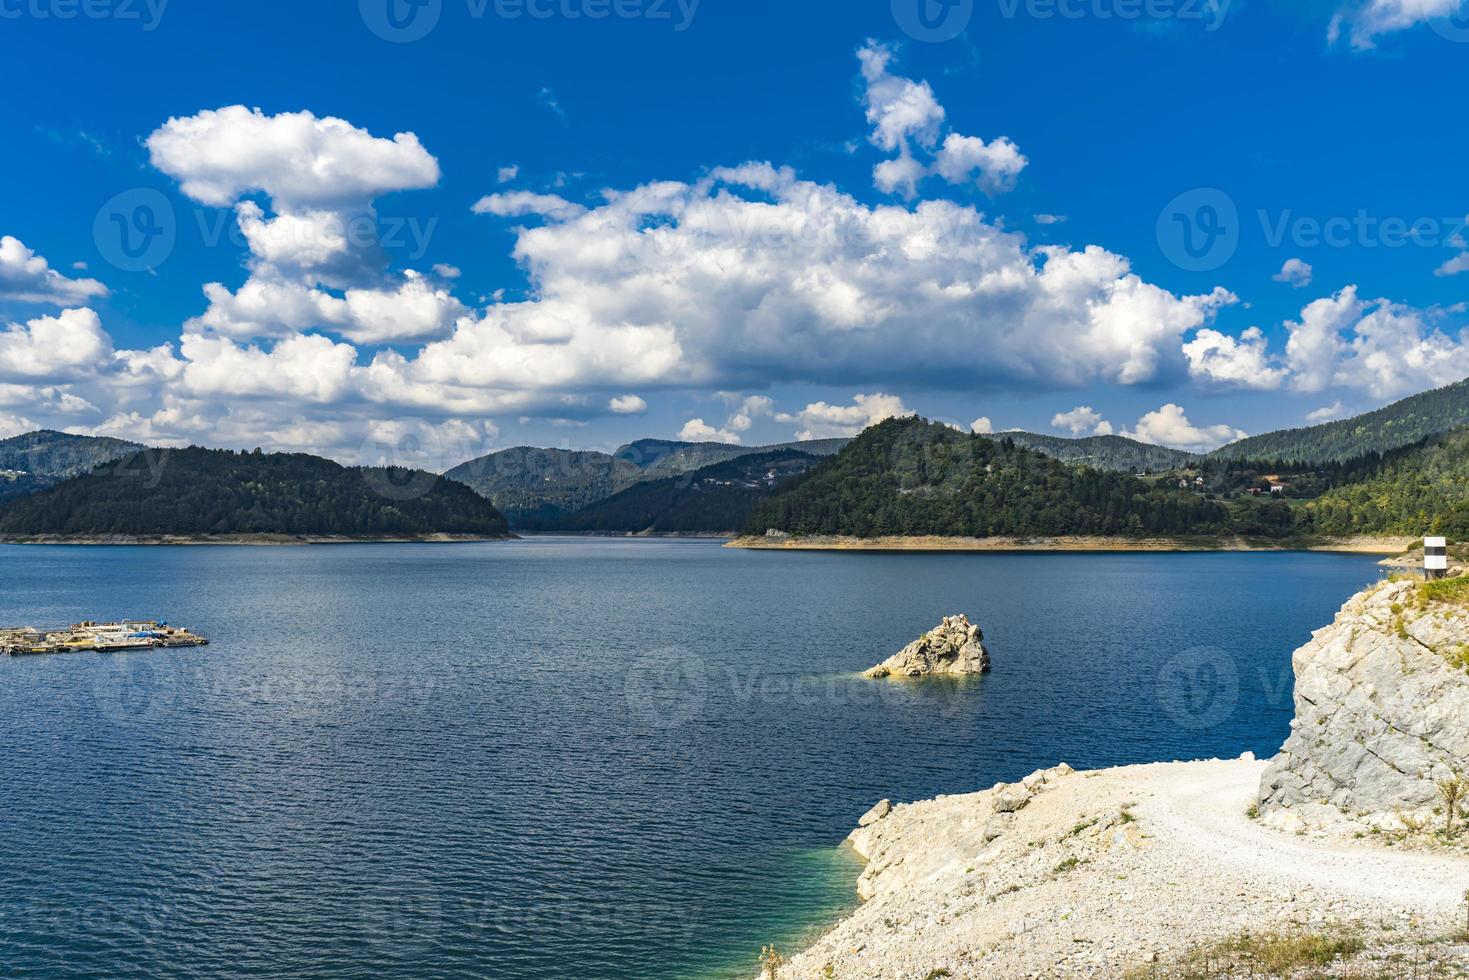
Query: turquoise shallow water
{"points": [[565, 757]]}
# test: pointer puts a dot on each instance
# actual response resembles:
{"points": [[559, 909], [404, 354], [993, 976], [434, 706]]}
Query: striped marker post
{"points": [[1435, 558]]}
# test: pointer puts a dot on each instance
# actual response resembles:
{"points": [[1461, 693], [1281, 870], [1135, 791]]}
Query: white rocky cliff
{"points": [[955, 646], [1382, 713]]}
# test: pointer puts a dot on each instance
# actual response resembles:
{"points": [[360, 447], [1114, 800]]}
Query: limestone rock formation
{"points": [[955, 646], [1382, 714]]}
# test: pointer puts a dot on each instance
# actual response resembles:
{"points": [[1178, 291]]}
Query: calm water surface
{"points": [[562, 757]]}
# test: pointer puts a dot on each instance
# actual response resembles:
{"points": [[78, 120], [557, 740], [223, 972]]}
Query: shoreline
{"points": [[1087, 874], [1361, 545], [250, 540]]}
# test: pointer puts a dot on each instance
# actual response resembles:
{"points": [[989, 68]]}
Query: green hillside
{"points": [[914, 477], [1105, 452], [717, 499], [1401, 424], [1419, 490], [534, 485], [32, 462], [210, 491]]}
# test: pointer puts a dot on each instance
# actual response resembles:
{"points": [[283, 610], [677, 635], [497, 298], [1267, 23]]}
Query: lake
{"points": [[566, 757]]}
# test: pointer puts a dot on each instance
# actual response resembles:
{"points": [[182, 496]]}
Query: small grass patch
{"points": [[936, 974], [1447, 590], [1269, 954], [1070, 864]]}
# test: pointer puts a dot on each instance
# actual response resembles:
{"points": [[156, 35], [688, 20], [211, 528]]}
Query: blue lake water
{"points": [[565, 757]]}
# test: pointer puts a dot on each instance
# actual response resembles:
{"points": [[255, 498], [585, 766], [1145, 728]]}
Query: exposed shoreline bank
{"points": [[1353, 545], [1086, 874], [253, 540]]}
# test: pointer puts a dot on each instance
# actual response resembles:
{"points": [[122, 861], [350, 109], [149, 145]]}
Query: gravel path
{"points": [[1089, 874], [1202, 813]]}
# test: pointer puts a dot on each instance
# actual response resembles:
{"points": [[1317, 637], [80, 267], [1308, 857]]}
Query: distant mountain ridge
{"points": [[717, 499], [1403, 423], [530, 486], [35, 461], [1114, 453], [208, 492]]}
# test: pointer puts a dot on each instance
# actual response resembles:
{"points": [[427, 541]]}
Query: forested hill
{"points": [[914, 477], [37, 460], [1404, 423], [1420, 490], [531, 486], [209, 491], [1104, 452], [714, 500]]}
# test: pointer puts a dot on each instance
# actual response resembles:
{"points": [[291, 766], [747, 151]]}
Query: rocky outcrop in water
{"points": [[1382, 714], [955, 646]]}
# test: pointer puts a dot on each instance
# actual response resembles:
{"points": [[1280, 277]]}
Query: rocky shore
{"points": [[1335, 850]]}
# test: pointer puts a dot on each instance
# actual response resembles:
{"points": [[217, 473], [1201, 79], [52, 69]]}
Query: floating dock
{"points": [[90, 637]]}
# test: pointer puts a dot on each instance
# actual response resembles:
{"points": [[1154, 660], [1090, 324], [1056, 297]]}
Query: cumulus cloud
{"points": [[28, 278], [1170, 426], [1364, 22], [520, 204], [299, 160], [697, 430], [906, 118], [315, 259], [1082, 421], [982, 426], [751, 275], [627, 405], [67, 346], [822, 421], [1328, 413], [506, 174], [1296, 272], [1242, 361], [14, 425]]}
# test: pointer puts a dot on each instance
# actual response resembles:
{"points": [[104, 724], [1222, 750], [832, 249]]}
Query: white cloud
{"points": [[982, 426], [1327, 414], [301, 161], [1050, 219], [520, 204], [751, 275], [906, 118], [506, 174], [899, 109], [744, 411], [627, 405], [1367, 20], [1082, 421], [67, 346], [28, 278], [1241, 362], [15, 425], [822, 421], [1297, 272], [1169, 426], [995, 165], [697, 430], [445, 271]]}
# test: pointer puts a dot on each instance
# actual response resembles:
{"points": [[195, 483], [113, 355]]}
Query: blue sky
{"points": [[1275, 132]]}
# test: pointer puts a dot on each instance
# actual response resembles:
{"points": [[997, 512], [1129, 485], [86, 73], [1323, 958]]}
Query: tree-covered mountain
{"points": [[530, 486], [914, 477], [1403, 423], [211, 492], [659, 459], [1114, 453], [717, 499], [1418, 490], [37, 460]]}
